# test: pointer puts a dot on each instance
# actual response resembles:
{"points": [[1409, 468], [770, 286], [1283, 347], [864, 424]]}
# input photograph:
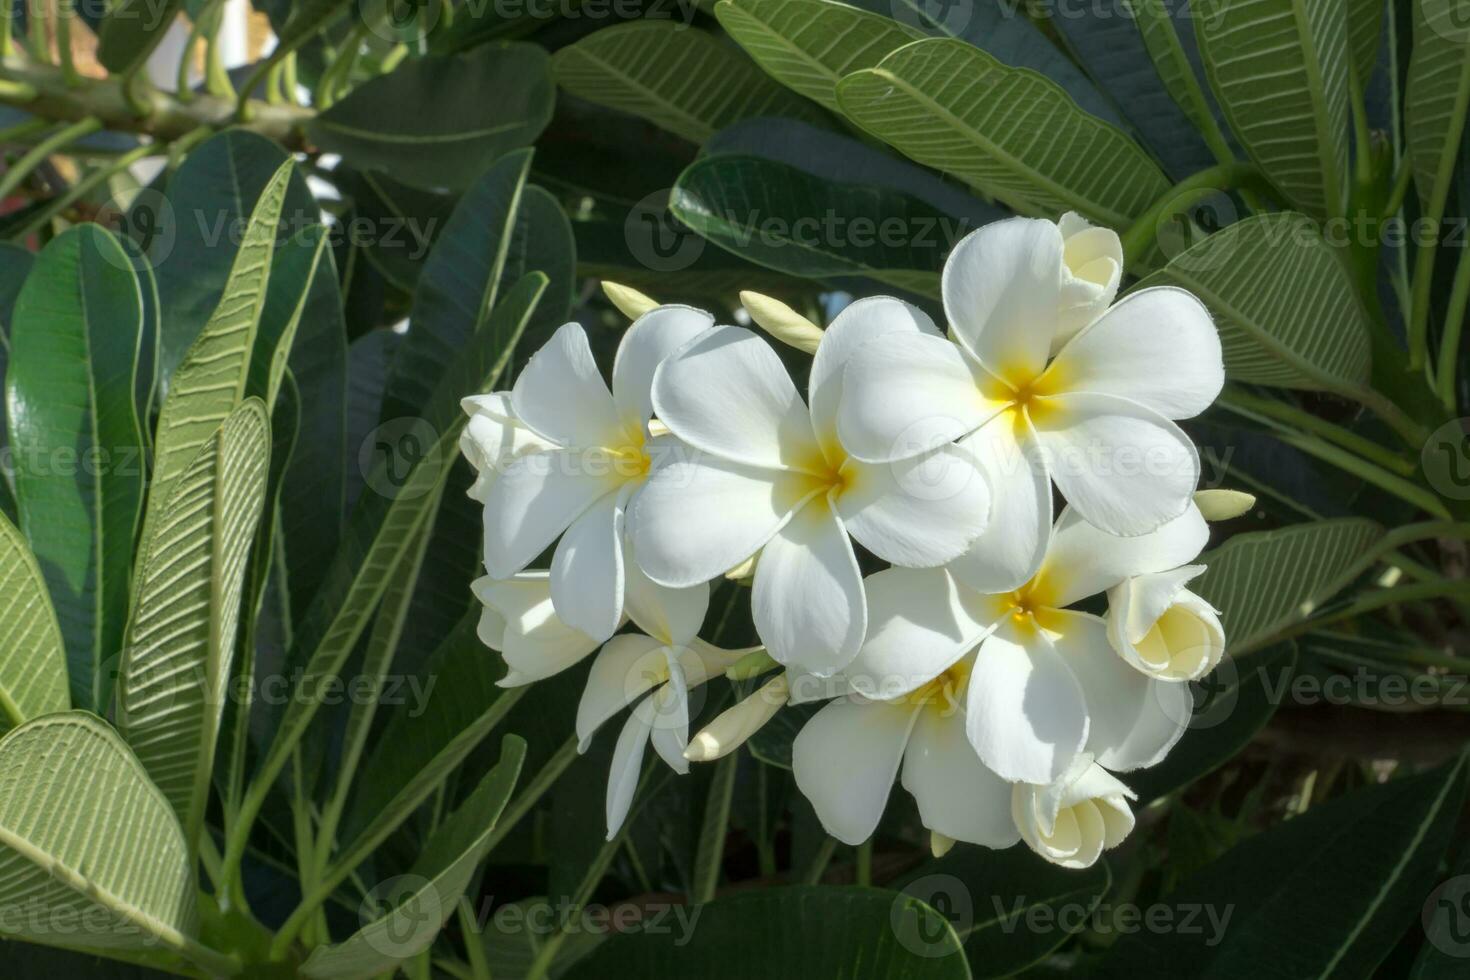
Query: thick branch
{"points": [[44, 92]]}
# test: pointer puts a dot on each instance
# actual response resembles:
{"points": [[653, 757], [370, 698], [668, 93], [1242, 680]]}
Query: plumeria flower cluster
{"points": [[974, 668]]}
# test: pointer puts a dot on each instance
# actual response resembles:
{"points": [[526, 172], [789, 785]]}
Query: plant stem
{"points": [[473, 945], [820, 860], [1142, 234], [82, 188], [1362, 468], [1249, 405], [714, 830], [1448, 363], [1414, 592], [37, 155], [864, 871]]}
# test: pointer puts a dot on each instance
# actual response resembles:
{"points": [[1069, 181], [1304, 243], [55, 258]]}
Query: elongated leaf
{"points": [[15, 265], [1109, 44], [1009, 132], [1443, 957], [77, 445], [1287, 313], [1326, 894], [1437, 96], [410, 219], [808, 45], [1265, 581], [769, 213], [194, 230], [1232, 704], [294, 266], [990, 897], [105, 852], [32, 658], [790, 933], [1280, 70], [212, 378], [664, 72], [1365, 32], [132, 29], [440, 876], [1002, 29], [436, 121], [387, 518], [181, 640]]}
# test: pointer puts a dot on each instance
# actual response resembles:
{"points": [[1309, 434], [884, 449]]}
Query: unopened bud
{"points": [[939, 844], [1222, 505], [730, 730], [630, 301], [782, 322]]}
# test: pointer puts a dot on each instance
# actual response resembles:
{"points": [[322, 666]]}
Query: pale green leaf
{"points": [[808, 45], [1010, 132], [680, 79], [104, 850], [32, 661], [1437, 96], [434, 884], [1280, 70], [181, 640], [1287, 313], [1266, 581]]}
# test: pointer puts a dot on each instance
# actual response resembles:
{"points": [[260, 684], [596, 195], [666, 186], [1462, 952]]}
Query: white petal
{"points": [[587, 570], [845, 759], [917, 628], [1001, 289], [1084, 561], [536, 499], [1007, 553], [652, 337], [629, 666], [919, 512], [1161, 628], [1025, 712], [727, 393], [1135, 719], [561, 395], [1126, 468], [1092, 267], [858, 323], [672, 615], [627, 764], [904, 394], [669, 708], [696, 519], [1158, 347], [807, 597], [957, 795], [492, 438], [534, 642]]}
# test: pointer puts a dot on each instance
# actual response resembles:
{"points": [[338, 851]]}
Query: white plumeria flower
{"points": [[1162, 628], [1047, 683], [1092, 268], [657, 670], [1073, 820], [519, 620], [492, 438], [770, 475], [598, 453], [1095, 418], [846, 757]]}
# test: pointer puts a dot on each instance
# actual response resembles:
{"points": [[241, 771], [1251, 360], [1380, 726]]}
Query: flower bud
{"points": [[1222, 505], [1092, 267], [1163, 629], [1073, 820], [782, 322], [629, 301], [730, 730]]}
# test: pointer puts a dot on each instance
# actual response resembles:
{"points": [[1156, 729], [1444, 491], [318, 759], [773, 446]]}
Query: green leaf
{"points": [[771, 214], [1280, 70], [1288, 314], [15, 265], [435, 121], [131, 30], [1010, 132], [1266, 581], [1009, 908], [1437, 96], [212, 378], [294, 267], [790, 932], [1443, 957], [1326, 894], [680, 79], [176, 667], [434, 884], [1168, 34], [192, 233], [408, 220], [1232, 704], [77, 445], [32, 658], [1365, 33], [808, 45], [105, 854]]}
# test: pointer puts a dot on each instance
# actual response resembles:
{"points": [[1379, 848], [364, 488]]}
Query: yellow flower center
{"points": [[944, 693]]}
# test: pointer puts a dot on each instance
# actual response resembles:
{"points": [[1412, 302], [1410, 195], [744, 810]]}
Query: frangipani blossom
{"points": [[769, 475], [597, 452], [1073, 820], [1047, 684], [1092, 268], [1095, 417], [846, 757], [492, 438], [519, 620], [1162, 628], [657, 670]]}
